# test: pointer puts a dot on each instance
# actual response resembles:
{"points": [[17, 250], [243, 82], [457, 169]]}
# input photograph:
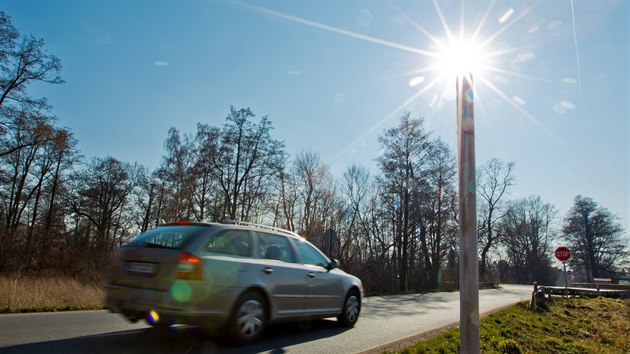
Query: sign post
{"points": [[467, 187], [563, 254], [330, 243]]}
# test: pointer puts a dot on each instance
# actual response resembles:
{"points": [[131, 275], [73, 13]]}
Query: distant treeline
{"points": [[397, 228]]}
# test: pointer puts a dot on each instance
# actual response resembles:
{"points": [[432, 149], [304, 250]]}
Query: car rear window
{"points": [[173, 236]]}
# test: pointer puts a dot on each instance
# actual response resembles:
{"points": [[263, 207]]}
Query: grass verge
{"points": [[575, 325], [52, 293]]}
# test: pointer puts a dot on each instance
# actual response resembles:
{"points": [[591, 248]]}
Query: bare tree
{"points": [[29, 181], [405, 149], [287, 202], [33, 152], [206, 195], [315, 184], [176, 176], [596, 238], [526, 233], [365, 234], [24, 61], [494, 180], [247, 158], [356, 187], [439, 198], [21, 184], [99, 199]]}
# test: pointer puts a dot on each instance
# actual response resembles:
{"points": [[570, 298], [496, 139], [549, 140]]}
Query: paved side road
{"points": [[386, 319]]}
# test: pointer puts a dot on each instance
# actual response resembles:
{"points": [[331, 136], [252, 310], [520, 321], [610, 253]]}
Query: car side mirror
{"points": [[333, 264]]}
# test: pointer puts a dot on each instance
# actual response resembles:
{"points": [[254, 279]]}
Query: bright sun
{"points": [[458, 56]]}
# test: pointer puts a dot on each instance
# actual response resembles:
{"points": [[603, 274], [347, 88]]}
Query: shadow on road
{"points": [[407, 305], [181, 339]]}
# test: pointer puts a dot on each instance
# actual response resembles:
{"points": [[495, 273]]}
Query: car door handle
{"points": [[311, 274], [268, 270]]}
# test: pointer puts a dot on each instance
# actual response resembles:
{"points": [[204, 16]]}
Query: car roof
{"points": [[236, 224]]}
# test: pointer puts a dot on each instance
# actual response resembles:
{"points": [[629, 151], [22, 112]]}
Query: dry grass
{"points": [[20, 293]]}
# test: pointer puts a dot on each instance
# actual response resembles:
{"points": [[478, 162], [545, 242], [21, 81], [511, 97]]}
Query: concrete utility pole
{"points": [[468, 266]]}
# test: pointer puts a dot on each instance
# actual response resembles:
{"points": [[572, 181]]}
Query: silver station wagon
{"points": [[233, 276]]}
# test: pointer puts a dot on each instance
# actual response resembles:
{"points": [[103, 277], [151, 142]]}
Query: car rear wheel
{"points": [[249, 319], [351, 309]]}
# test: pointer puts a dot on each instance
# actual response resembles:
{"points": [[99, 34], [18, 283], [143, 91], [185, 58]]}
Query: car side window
{"points": [[233, 242], [310, 255], [275, 247]]}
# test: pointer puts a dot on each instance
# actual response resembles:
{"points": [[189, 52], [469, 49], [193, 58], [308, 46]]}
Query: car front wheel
{"points": [[351, 309]]}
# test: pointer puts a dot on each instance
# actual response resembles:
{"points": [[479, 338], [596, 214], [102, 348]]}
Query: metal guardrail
{"points": [[602, 286], [542, 294]]}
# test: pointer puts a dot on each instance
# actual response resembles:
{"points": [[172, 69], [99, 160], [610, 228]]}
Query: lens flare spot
{"points": [[555, 26], [416, 81], [533, 29], [364, 18], [524, 58], [340, 98], [468, 95], [559, 109], [506, 16], [567, 104], [518, 100], [569, 80], [153, 317], [434, 100], [181, 291]]}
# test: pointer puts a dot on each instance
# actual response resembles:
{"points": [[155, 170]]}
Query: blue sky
{"points": [[331, 76]]}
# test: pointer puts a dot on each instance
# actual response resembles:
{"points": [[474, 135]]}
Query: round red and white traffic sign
{"points": [[563, 253]]}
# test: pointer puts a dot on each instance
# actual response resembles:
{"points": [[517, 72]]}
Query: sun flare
{"points": [[464, 51], [459, 57]]}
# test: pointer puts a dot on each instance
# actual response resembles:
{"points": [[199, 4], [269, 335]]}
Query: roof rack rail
{"points": [[260, 226]]}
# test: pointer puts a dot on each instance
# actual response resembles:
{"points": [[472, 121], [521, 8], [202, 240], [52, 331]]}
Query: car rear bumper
{"points": [[193, 305]]}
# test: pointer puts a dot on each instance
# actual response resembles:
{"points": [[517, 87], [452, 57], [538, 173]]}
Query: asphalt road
{"points": [[383, 320]]}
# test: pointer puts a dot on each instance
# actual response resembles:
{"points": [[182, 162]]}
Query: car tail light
{"points": [[189, 267]]}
